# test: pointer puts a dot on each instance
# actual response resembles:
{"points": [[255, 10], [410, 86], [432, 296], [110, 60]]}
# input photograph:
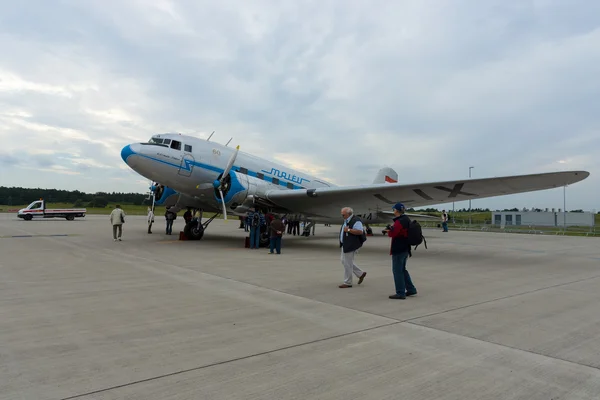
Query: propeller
{"points": [[218, 184]]}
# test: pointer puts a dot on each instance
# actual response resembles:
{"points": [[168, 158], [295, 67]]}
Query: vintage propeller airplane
{"points": [[210, 177]]}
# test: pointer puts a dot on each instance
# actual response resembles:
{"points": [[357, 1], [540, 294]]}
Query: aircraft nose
{"points": [[126, 152]]}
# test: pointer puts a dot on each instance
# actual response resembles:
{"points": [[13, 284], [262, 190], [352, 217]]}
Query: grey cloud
{"points": [[9, 160]]}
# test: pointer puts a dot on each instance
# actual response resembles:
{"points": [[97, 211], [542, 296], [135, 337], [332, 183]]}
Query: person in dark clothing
{"points": [[350, 242], [170, 216], [399, 250], [257, 222], [187, 216], [276, 229]]}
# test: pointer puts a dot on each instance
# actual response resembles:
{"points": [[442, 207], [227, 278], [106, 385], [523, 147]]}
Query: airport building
{"points": [[542, 218]]}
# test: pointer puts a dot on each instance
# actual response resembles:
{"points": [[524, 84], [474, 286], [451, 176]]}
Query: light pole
{"points": [[470, 168], [565, 207]]}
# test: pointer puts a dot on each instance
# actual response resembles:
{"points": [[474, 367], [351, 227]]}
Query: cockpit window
{"points": [[156, 142]]}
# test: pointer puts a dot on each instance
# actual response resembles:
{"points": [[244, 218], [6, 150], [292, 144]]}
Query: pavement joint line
{"points": [[503, 345], [40, 235], [368, 312], [215, 364], [257, 286], [501, 298]]}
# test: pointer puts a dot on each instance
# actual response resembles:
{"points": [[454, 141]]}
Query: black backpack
{"points": [[255, 219], [415, 234]]}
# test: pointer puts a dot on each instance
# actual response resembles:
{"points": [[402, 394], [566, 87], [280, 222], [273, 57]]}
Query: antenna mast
{"points": [[210, 136], [228, 142]]}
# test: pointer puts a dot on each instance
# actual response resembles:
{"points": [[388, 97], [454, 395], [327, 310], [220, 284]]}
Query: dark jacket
{"points": [[399, 235], [276, 226], [351, 242]]}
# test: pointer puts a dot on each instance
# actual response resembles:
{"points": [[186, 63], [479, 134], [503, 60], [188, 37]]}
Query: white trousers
{"points": [[350, 267]]}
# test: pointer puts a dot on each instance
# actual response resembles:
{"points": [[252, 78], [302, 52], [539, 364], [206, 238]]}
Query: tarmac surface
{"points": [[497, 316]]}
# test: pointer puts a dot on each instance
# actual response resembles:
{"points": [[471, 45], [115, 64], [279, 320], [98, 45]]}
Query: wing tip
{"points": [[577, 176]]}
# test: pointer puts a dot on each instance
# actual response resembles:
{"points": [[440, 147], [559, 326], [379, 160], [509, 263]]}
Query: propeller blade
{"points": [[230, 163], [223, 203]]}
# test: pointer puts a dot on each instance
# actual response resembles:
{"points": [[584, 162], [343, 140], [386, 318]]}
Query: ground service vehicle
{"points": [[38, 209]]}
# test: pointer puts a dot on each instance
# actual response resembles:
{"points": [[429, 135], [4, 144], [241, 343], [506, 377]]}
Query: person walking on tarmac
{"points": [[117, 219], [350, 242], [400, 249]]}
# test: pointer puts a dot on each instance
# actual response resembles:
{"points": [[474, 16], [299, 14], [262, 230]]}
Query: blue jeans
{"points": [[445, 226], [402, 279], [254, 237], [169, 226], [275, 244]]}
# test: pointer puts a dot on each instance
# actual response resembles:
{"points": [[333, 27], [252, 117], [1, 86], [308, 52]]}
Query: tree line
{"points": [[19, 196]]}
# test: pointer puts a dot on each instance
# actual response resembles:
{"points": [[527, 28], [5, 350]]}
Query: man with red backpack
{"points": [[400, 249]]}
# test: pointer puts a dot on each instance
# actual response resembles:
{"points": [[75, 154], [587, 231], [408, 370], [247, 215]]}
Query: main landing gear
{"points": [[194, 230]]}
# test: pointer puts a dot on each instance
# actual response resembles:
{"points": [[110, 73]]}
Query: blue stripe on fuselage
{"points": [[189, 163]]}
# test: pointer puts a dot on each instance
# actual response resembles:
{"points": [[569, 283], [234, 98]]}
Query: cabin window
{"points": [[290, 185], [276, 181], [243, 170], [260, 175], [176, 145], [188, 148]]}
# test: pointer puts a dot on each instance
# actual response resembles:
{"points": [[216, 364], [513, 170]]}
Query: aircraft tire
{"points": [[264, 240], [193, 230]]}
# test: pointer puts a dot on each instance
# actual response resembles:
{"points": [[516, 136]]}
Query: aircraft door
{"points": [[187, 165]]}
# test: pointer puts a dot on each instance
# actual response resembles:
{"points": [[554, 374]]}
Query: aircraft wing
{"points": [[327, 202]]}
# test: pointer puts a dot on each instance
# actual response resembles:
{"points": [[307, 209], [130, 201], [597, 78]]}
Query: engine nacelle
{"points": [[164, 195], [244, 207], [241, 191]]}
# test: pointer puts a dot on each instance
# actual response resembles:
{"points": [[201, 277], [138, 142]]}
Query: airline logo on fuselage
{"points": [[284, 175]]}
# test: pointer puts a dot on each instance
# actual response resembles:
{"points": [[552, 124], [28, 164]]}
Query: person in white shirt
{"points": [[150, 219], [117, 219]]}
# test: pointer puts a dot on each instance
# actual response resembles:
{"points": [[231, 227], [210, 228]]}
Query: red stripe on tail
{"points": [[390, 180]]}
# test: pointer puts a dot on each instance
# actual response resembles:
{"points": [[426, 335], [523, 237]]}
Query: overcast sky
{"points": [[428, 88]]}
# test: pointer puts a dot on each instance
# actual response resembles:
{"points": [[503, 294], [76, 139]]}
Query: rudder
{"points": [[386, 175]]}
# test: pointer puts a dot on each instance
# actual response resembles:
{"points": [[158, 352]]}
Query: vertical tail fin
{"points": [[386, 175]]}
